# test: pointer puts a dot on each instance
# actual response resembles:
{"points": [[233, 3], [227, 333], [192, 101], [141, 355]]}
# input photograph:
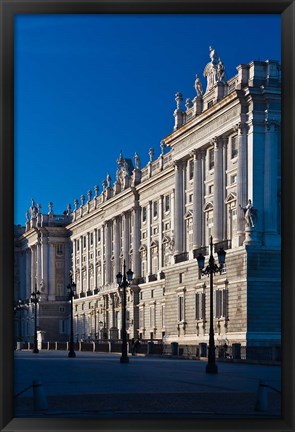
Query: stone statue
{"points": [[213, 56], [163, 146], [33, 209], [118, 175], [50, 207], [198, 86], [137, 161], [249, 214], [27, 216], [76, 203], [89, 195], [96, 189], [220, 70], [151, 154], [188, 103], [108, 179]]}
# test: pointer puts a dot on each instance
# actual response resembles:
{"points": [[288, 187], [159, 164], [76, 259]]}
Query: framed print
{"points": [[147, 215]]}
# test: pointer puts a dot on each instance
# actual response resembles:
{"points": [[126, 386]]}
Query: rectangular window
{"points": [[180, 308], [200, 306], [211, 158], [155, 209], [221, 303], [155, 231], [98, 235], [191, 169], [91, 238], [167, 225], [210, 189], [77, 245], [234, 146], [84, 242], [152, 293], [143, 214], [190, 198], [167, 203], [181, 277]]}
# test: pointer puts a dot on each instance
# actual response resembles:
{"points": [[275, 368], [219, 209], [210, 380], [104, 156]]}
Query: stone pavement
{"points": [[98, 385]]}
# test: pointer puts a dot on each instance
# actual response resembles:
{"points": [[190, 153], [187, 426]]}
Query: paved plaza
{"points": [[98, 385]]}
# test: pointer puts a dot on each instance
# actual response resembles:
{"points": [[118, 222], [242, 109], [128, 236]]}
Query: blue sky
{"points": [[87, 86]]}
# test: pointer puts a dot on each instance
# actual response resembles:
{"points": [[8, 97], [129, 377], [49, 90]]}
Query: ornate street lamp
{"points": [[71, 290], [123, 281], [210, 270], [35, 298]]}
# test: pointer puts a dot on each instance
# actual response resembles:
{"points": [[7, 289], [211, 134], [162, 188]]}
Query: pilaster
{"points": [[178, 207]]}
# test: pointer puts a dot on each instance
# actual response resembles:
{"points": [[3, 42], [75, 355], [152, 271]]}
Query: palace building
{"points": [[218, 174]]}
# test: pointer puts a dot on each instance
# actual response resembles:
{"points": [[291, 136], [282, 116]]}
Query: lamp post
{"points": [[123, 282], [35, 298], [210, 270], [71, 290]]}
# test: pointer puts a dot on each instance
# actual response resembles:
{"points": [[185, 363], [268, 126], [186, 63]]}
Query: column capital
{"points": [[177, 164], [240, 127], [216, 142]]}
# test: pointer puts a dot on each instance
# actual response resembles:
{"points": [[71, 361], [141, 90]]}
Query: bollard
{"points": [[262, 397], [40, 401]]}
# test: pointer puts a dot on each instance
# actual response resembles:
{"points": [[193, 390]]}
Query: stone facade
{"points": [[218, 174], [43, 262]]}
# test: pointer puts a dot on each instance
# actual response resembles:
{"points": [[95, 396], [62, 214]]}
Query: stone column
{"points": [[184, 179], [74, 259], [87, 262], [126, 236], [136, 242], [51, 288], [271, 158], [149, 222], [178, 208], [28, 272], [160, 251], [197, 201], [242, 177], [172, 212], [108, 252], [68, 265], [33, 268], [81, 263], [38, 267], [116, 229], [224, 155], [203, 178], [218, 191], [94, 258], [44, 260], [102, 267]]}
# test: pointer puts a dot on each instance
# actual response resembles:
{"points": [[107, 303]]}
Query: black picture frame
{"points": [[8, 8]]}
